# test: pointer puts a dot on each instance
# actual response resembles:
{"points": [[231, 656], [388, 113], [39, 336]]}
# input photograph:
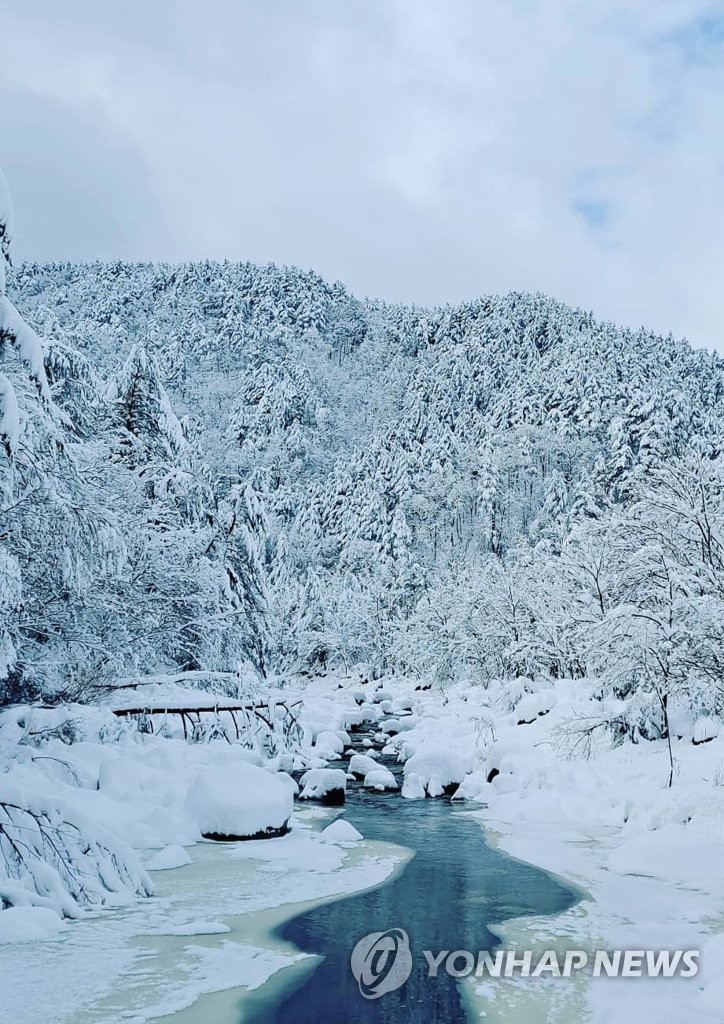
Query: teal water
{"points": [[450, 895]]}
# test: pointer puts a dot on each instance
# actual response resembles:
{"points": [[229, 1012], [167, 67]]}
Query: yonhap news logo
{"points": [[382, 962]]}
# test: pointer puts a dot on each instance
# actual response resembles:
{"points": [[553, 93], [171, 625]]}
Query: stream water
{"points": [[135, 965], [449, 896]]}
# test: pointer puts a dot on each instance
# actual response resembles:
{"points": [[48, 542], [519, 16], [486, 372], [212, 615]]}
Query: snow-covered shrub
{"points": [[53, 856]]}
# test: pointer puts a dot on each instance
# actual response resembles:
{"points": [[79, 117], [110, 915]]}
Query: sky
{"points": [[418, 150]]}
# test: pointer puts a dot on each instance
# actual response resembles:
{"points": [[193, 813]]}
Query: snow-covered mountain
{"points": [[247, 466]]}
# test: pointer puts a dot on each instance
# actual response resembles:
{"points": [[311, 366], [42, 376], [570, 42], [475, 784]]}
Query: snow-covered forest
{"points": [[239, 471]]}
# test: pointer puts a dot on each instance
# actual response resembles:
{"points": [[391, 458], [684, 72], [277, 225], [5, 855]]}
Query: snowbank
{"points": [[85, 790], [27, 924]]}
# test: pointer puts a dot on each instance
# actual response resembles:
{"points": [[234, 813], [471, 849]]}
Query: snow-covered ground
{"points": [[561, 795], [204, 932]]}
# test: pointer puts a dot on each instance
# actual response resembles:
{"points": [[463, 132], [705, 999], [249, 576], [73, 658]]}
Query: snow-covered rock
{"points": [[340, 831], [360, 764], [434, 770], [413, 788], [328, 745], [354, 718], [240, 801], [328, 785], [534, 705], [392, 726], [380, 778]]}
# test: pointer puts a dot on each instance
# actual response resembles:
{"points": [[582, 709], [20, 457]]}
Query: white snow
{"points": [[706, 729], [319, 782], [340, 831], [360, 764], [328, 744], [241, 800], [200, 928], [380, 778], [9, 416], [434, 768], [27, 343], [172, 856], [28, 924]]}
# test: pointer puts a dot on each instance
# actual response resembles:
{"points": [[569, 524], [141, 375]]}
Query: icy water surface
{"points": [[450, 895]]}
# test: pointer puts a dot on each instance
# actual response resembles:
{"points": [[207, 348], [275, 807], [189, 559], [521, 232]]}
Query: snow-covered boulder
{"points": [[340, 831], [436, 771], [354, 720], [391, 726], [328, 785], [472, 787], [240, 801], [380, 778], [360, 764], [328, 745], [413, 788]]}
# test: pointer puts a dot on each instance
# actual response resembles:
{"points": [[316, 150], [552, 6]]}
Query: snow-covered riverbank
{"points": [[601, 816], [204, 934]]}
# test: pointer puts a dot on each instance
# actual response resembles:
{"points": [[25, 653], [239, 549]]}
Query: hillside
{"points": [[263, 475]]}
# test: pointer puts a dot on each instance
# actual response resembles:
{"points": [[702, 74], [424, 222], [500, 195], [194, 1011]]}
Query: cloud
{"points": [[416, 150]]}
